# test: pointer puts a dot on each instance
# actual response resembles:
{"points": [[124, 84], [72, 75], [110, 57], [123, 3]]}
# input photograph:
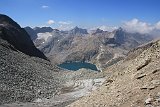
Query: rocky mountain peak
{"points": [[97, 31], [119, 35], [78, 30], [56, 30], [120, 29], [43, 29], [18, 37], [5, 20]]}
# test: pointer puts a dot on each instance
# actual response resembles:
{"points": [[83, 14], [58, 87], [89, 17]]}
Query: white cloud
{"points": [[135, 25], [44, 6], [104, 28], [107, 28], [157, 25], [65, 22], [65, 27], [50, 22]]}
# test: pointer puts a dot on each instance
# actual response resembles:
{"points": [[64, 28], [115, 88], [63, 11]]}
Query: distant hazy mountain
{"points": [[98, 31], [78, 31], [130, 40]]}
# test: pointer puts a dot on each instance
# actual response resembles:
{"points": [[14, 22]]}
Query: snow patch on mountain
{"points": [[44, 36]]}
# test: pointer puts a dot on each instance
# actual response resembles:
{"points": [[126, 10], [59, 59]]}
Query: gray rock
{"points": [[155, 82], [148, 101]]}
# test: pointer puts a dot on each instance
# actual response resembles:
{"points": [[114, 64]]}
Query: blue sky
{"points": [[83, 13]]}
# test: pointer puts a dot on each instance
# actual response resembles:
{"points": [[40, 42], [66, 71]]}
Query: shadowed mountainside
{"points": [[18, 37]]}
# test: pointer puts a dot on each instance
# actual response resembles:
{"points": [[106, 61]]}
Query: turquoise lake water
{"points": [[78, 65]]}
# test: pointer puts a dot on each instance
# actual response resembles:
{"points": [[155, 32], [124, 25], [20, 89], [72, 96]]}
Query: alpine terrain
{"points": [[65, 54]]}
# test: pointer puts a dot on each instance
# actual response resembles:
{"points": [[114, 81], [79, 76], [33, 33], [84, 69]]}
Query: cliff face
{"points": [[134, 81]]}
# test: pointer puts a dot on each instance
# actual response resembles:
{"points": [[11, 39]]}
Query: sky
{"points": [[65, 14]]}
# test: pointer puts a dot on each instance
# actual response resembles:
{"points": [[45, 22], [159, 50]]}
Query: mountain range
{"points": [[99, 47]]}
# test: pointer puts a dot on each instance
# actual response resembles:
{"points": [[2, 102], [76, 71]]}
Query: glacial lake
{"points": [[74, 66]]}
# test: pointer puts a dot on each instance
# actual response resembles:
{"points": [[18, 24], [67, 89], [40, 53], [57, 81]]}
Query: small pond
{"points": [[74, 66]]}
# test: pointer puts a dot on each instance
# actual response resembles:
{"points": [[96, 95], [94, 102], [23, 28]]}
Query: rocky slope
{"points": [[23, 76], [30, 81], [134, 82]]}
